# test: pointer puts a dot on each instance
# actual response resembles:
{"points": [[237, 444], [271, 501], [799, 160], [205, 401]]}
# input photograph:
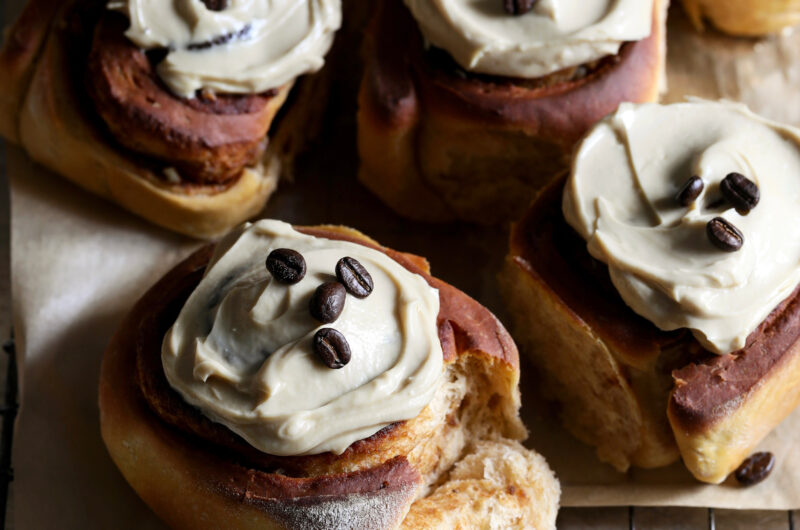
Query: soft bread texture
{"points": [[58, 128], [497, 485], [438, 146], [641, 396], [194, 473], [749, 18]]}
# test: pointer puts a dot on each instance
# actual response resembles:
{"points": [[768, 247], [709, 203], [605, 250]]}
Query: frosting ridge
{"points": [[249, 46], [621, 198], [241, 349], [554, 35]]}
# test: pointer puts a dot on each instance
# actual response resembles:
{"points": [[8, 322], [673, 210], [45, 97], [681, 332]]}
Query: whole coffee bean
{"points": [[286, 265], [216, 5], [332, 348], [755, 469], [354, 277], [724, 235], [690, 191], [740, 191], [518, 7], [327, 302]]}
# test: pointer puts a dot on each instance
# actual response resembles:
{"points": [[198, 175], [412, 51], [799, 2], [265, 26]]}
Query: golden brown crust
{"points": [[750, 18], [380, 475], [719, 407], [207, 139], [439, 145]]}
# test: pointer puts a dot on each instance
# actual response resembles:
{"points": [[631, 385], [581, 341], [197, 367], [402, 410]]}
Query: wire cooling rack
{"points": [[8, 411], [673, 518]]}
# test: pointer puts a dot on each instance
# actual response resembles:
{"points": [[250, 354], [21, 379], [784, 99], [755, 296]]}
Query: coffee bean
{"points": [[327, 302], [286, 265], [518, 7], [332, 348], [354, 277], [690, 191], [724, 235], [740, 191], [755, 469], [219, 40], [216, 5]]}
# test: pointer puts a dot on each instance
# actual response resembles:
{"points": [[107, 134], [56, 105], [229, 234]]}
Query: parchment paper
{"points": [[79, 263]]}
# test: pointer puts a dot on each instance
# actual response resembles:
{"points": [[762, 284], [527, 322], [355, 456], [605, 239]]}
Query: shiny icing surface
{"points": [[249, 46], [554, 35], [620, 197], [241, 348]]}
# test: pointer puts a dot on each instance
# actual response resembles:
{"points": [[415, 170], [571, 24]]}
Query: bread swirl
{"points": [[208, 139], [197, 167], [190, 470], [438, 143]]}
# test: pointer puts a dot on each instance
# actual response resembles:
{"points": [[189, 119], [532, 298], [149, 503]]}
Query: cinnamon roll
{"points": [[222, 408], [466, 110], [654, 291]]}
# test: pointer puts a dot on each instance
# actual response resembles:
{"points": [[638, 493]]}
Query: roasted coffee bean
{"points": [[518, 7], [354, 277], [219, 40], [690, 191], [740, 191], [724, 235], [755, 469], [327, 302], [216, 5], [332, 348], [286, 265]]}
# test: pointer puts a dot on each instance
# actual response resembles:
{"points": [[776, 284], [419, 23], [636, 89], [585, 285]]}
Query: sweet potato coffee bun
{"points": [[441, 142], [89, 103], [456, 463], [654, 293]]}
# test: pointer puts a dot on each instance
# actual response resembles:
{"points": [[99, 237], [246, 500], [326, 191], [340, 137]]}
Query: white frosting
{"points": [[268, 42], [621, 199], [554, 35], [241, 348]]}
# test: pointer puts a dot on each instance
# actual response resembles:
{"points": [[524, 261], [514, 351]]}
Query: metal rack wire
{"points": [[8, 411]]}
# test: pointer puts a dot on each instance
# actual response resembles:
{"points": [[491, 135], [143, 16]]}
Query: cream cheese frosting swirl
{"points": [[241, 348], [249, 46], [620, 197], [554, 35]]}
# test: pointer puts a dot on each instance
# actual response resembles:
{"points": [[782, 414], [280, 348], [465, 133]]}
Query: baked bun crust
{"points": [[642, 396], [62, 129], [195, 473], [438, 144], [749, 18]]}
